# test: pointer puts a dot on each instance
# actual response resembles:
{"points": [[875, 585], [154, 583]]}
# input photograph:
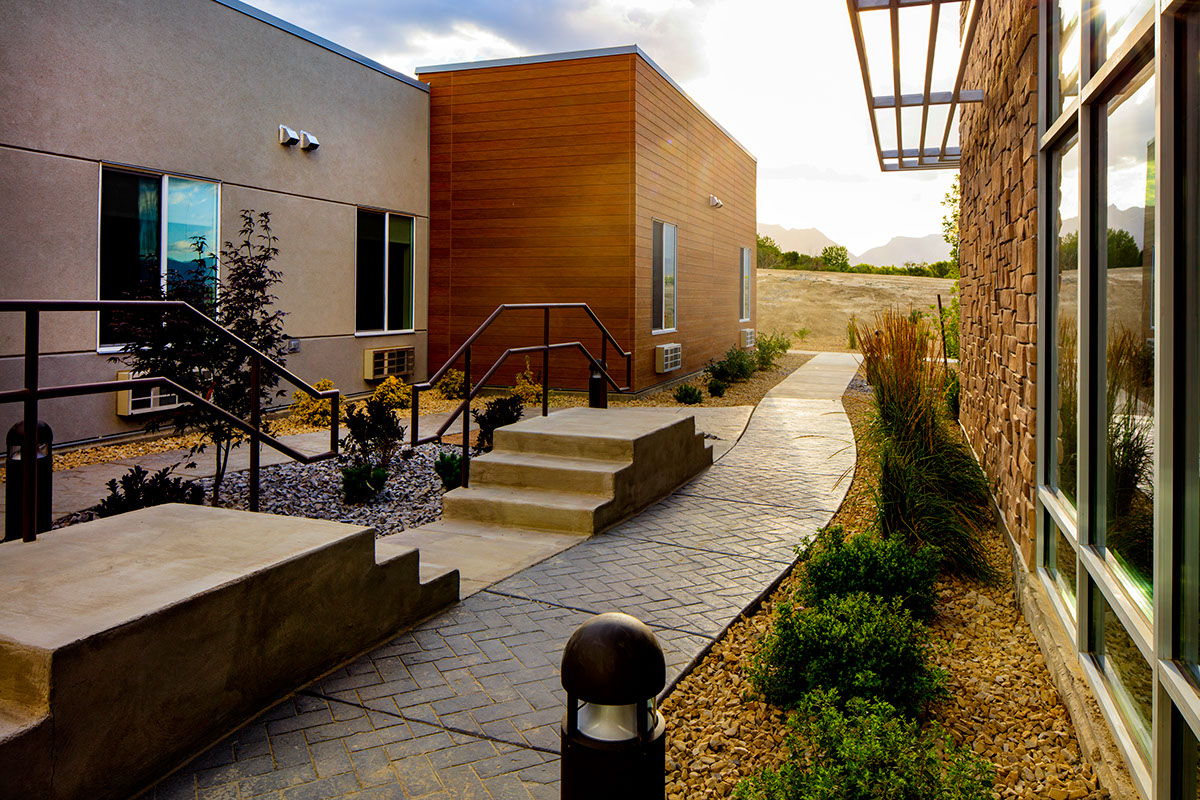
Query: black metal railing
{"points": [[32, 392], [464, 352]]}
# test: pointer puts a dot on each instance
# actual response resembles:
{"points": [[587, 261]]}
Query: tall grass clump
{"points": [[931, 490]]}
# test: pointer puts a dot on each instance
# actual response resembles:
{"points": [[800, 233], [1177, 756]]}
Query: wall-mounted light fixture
{"points": [[287, 136], [714, 201], [308, 141]]}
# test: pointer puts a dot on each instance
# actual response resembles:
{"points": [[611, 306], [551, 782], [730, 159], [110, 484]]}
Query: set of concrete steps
{"points": [[578, 471], [128, 643]]}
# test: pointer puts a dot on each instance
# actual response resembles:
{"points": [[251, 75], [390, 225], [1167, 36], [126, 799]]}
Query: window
{"points": [[745, 285], [149, 246], [663, 291], [384, 273]]}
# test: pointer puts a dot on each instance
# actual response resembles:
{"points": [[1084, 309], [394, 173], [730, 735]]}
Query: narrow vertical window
{"points": [[384, 272], [663, 269], [744, 288]]}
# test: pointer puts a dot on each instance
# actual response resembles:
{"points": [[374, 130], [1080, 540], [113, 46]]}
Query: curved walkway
{"points": [[468, 704]]}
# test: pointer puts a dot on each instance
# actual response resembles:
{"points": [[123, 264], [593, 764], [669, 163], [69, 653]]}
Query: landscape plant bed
{"points": [[1001, 705]]}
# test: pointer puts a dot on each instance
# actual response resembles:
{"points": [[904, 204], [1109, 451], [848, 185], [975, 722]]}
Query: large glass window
{"points": [[1128, 261], [152, 248], [384, 272], [1063, 569], [1066, 257], [1128, 675], [1119, 19], [663, 269], [746, 285], [1068, 18]]}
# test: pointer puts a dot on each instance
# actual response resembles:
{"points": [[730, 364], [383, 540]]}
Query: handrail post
{"points": [[466, 434], [29, 456], [256, 423], [416, 414], [546, 364], [335, 414]]}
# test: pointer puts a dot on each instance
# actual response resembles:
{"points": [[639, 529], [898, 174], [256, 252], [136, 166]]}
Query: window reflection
{"points": [[1128, 259], [1066, 256], [1119, 19], [1069, 48], [1129, 678], [1063, 569]]}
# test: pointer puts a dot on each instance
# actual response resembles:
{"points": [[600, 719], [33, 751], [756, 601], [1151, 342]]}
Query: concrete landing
{"points": [[579, 470], [127, 642]]}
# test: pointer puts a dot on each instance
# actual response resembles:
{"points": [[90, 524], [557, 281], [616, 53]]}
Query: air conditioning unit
{"points": [[387, 362], [668, 357], [144, 399], [747, 337]]}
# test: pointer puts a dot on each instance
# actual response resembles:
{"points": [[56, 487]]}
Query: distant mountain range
{"points": [[810, 241]]}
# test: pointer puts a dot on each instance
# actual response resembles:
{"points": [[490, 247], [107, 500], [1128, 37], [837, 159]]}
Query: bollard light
{"points": [[613, 736], [14, 478]]}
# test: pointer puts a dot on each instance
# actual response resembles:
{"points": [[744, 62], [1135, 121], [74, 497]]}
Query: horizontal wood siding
{"points": [[532, 201], [680, 158]]}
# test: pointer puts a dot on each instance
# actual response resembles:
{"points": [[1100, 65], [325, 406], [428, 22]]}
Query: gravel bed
{"points": [[411, 497]]}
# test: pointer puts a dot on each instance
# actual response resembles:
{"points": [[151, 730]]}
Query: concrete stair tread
{"points": [[389, 549], [603, 465], [549, 498]]}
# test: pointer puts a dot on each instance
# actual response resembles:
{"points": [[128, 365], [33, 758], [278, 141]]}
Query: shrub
{"points": [[737, 365], [136, 490], [394, 393], [361, 482], [860, 645], [374, 434], [308, 409], [768, 347], [803, 334], [840, 566], [497, 413], [852, 333], [453, 385], [529, 385], [448, 466], [716, 388], [867, 753], [688, 394]]}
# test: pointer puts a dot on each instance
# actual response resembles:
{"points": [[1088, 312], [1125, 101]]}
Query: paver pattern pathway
{"points": [[468, 704]]}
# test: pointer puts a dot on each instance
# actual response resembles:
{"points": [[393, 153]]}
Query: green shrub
{"points": [[802, 334], [374, 434], [737, 365], [688, 394], [448, 466], [135, 490], [496, 413], [839, 566], [394, 393], [453, 385], [529, 385], [768, 347], [310, 410], [716, 388], [852, 333], [860, 645], [361, 482], [867, 753]]}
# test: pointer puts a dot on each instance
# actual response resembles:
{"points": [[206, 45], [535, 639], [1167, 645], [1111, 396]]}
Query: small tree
{"points": [[769, 255], [836, 258], [173, 346], [953, 203]]}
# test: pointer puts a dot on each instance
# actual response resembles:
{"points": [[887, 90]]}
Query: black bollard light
{"points": [[614, 740], [14, 478], [597, 390]]}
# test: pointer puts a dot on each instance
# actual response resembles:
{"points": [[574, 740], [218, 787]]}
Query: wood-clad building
{"points": [[586, 177]]}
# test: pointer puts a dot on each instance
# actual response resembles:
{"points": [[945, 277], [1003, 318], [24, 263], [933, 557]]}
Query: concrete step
{"points": [[542, 471], [204, 615], [538, 509]]}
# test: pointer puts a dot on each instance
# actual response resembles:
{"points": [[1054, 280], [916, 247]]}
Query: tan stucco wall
{"points": [[199, 89]]}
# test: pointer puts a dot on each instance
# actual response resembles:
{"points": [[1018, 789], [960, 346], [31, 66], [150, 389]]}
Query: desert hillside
{"points": [[823, 301]]}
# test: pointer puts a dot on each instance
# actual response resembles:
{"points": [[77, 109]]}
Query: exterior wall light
{"points": [[614, 741], [287, 136], [714, 201], [308, 141]]}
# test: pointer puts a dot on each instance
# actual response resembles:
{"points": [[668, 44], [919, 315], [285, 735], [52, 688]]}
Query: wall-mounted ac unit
{"points": [[386, 362], [668, 357], [747, 337], [144, 399]]}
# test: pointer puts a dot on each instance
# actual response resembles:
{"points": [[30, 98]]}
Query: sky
{"points": [[781, 76]]}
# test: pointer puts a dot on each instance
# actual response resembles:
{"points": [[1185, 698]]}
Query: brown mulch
{"points": [[1002, 703]]}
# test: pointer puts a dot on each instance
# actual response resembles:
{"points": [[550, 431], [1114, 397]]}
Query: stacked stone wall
{"points": [[998, 258]]}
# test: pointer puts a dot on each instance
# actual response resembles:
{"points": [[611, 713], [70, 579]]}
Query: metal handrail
{"points": [[464, 352], [33, 393]]}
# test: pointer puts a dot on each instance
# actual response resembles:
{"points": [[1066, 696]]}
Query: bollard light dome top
{"points": [[613, 659]]}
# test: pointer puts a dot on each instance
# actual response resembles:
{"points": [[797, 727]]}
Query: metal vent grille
{"points": [[388, 362], [668, 357]]}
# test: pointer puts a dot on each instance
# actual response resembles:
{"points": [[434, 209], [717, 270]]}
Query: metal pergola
{"points": [[921, 157]]}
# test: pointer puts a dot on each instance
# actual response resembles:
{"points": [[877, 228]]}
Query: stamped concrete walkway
{"points": [[468, 704]]}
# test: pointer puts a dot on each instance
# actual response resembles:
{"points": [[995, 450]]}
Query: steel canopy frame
{"points": [[921, 157]]}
